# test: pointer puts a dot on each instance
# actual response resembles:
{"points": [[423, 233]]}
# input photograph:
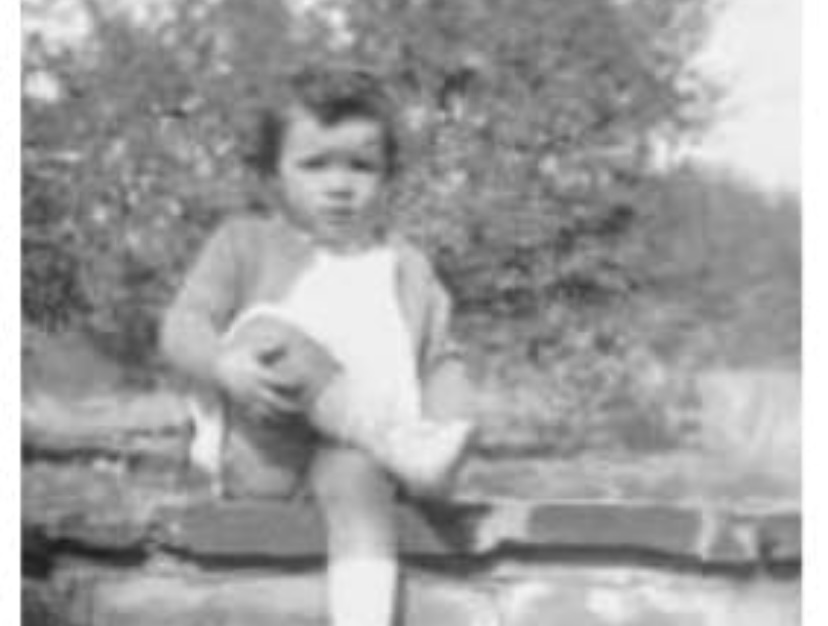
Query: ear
{"points": [[260, 191], [386, 208]]}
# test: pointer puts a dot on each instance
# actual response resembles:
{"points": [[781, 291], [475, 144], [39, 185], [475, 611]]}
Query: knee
{"points": [[356, 500], [344, 479]]}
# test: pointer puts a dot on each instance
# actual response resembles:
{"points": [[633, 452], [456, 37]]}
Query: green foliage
{"points": [[721, 266], [52, 295], [716, 270], [537, 121]]}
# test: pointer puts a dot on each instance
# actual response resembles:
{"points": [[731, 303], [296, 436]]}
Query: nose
{"points": [[340, 185]]}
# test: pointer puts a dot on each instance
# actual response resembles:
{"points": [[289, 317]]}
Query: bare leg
{"points": [[423, 455], [357, 502]]}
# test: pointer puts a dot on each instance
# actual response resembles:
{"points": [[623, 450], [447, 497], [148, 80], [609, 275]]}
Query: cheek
{"points": [[295, 197], [296, 184], [374, 203], [370, 186]]}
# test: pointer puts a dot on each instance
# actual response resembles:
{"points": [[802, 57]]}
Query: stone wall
{"points": [[118, 531]]}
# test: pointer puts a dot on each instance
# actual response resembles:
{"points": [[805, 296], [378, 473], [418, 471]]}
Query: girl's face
{"points": [[332, 175]]}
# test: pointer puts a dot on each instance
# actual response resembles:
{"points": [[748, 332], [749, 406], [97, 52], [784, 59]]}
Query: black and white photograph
{"points": [[561, 240]]}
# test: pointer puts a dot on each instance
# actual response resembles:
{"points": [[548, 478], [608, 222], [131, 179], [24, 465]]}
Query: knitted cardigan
{"points": [[253, 260]]}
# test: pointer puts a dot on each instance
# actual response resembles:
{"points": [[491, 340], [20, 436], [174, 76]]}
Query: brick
{"points": [[280, 529], [658, 528], [199, 600], [728, 543], [440, 601], [440, 528], [96, 508], [714, 537], [594, 598], [141, 427], [42, 605], [108, 413], [588, 604], [780, 535], [244, 529], [262, 600]]}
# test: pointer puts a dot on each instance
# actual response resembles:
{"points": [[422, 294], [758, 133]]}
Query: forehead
{"points": [[305, 133]]}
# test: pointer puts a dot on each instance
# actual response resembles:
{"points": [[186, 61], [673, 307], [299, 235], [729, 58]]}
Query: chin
{"points": [[347, 236]]}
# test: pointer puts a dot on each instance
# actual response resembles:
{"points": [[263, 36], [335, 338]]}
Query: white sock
{"points": [[362, 591], [208, 435]]}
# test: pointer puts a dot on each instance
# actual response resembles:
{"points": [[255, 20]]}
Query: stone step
{"points": [[545, 594]]}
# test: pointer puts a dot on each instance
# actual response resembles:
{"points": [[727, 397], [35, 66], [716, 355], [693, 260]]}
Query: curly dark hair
{"points": [[331, 94]]}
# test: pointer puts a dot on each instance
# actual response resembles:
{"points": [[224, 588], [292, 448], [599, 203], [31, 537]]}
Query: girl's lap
{"points": [[268, 461], [289, 460]]}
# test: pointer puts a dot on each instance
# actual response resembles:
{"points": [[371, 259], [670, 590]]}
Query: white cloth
{"points": [[350, 305], [362, 591]]}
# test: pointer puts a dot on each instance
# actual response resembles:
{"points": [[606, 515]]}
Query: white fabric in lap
{"points": [[349, 304]]}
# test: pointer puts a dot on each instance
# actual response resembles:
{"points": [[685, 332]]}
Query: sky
{"points": [[755, 49]]}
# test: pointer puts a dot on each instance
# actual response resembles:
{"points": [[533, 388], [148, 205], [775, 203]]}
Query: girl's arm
{"points": [[445, 376], [191, 330], [446, 390]]}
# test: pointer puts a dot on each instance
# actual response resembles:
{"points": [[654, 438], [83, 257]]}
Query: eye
{"points": [[315, 163], [365, 165]]}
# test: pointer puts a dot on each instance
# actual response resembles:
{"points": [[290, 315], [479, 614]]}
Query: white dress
{"points": [[349, 304]]}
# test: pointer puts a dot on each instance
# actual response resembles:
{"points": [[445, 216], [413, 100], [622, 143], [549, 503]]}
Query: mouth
{"points": [[341, 215]]}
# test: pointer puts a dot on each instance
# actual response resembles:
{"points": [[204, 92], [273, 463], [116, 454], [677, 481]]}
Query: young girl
{"points": [[325, 338]]}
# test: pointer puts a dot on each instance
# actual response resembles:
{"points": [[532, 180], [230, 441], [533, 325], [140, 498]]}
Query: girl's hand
{"points": [[245, 377]]}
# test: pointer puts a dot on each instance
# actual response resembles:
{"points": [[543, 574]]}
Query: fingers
{"points": [[268, 398], [271, 355], [264, 390], [274, 402]]}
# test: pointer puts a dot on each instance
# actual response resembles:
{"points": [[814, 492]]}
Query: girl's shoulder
{"points": [[236, 230], [251, 225], [251, 233], [408, 253], [413, 261]]}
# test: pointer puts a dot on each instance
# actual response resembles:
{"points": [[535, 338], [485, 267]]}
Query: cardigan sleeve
{"points": [[438, 343], [203, 307], [441, 357]]}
